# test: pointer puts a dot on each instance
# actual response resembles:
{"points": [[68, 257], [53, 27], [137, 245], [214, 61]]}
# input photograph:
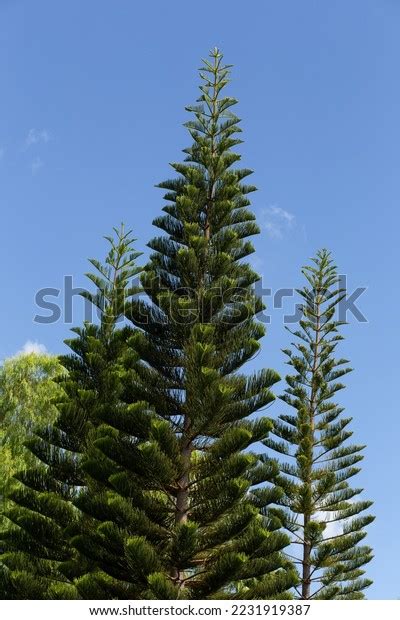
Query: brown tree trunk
{"points": [[306, 580], [306, 563], [182, 495]]}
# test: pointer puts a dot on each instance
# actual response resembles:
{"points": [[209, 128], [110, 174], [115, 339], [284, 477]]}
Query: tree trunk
{"points": [[182, 495], [306, 581]]}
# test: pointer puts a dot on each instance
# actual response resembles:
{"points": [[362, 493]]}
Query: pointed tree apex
{"points": [[216, 53]]}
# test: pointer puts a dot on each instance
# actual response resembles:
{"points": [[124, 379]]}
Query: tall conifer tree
{"points": [[37, 560], [193, 514], [321, 509]]}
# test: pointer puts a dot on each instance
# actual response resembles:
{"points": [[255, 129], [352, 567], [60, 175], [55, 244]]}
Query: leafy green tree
{"points": [[191, 517], [321, 509], [27, 393], [38, 560]]}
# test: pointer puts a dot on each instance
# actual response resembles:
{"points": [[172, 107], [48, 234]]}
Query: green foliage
{"points": [[178, 514], [27, 393], [38, 556], [319, 507], [146, 476]]}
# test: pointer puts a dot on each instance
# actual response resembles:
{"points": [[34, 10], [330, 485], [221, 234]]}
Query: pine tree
{"points": [[37, 560], [193, 517], [320, 507]]}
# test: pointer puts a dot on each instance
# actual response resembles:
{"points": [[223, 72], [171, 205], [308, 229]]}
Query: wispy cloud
{"points": [[335, 528], [281, 213], [35, 136], [277, 221], [274, 230], [32, 347], [36, 165]]}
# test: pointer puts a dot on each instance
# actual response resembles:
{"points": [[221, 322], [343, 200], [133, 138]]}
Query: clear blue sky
{"points": [[92, 102]]}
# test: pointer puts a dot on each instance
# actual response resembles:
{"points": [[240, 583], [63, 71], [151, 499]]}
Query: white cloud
{"points": [[274, 230], [277, 221], [281, 213], [32, 347], [332, 529], [36, 165], [35, 136], [335, 528]]}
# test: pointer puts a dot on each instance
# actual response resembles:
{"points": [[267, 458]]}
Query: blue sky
{"points": [[92, 105]]}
